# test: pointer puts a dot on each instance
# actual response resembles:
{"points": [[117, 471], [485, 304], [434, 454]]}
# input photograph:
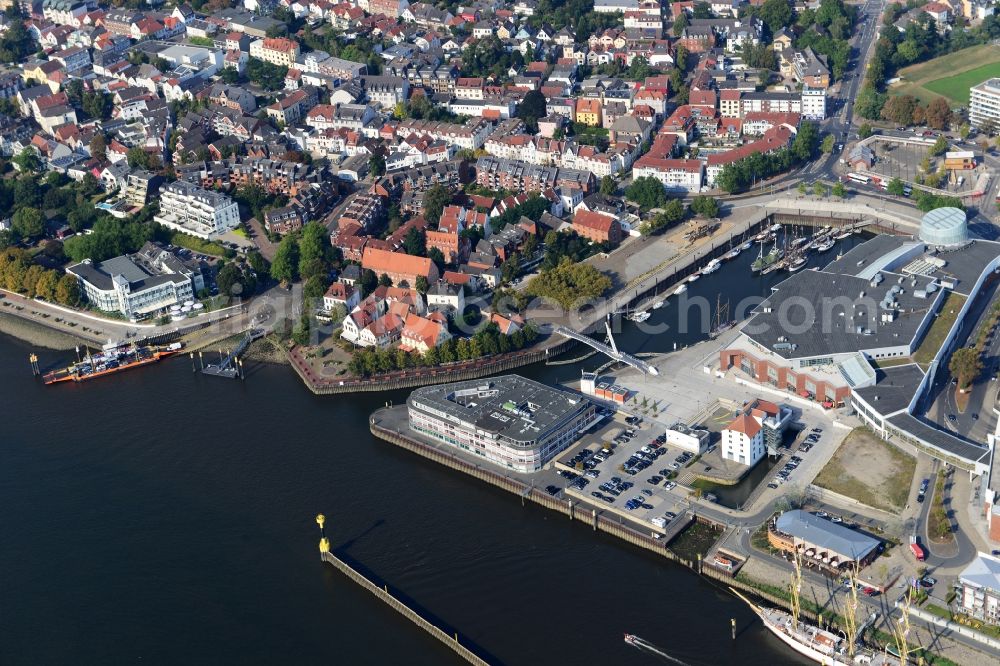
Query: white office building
{"points": [[758, 426], [196, 211], [984, 102]]}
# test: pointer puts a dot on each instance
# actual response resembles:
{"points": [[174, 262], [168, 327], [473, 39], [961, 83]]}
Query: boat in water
{"points": [[631, 639], [113, 358], [765, 261], [658, 304], [639, 316], [694, 277], [711, 267], [722, 320], [797, 263], [680, 289], [844, 234], [815, 643], [746, 246], [826, 244], [735, 252]]}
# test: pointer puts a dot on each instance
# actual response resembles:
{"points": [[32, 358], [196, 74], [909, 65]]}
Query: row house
{"points": [[408, 186], [364, 209], [335, 116], [776, 138], [770, 102], [232, 97], [471, 136], [758, 124], [676, 175], [291, 107], [279, 51]]}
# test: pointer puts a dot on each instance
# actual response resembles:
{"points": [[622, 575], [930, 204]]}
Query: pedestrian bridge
{"points": [[609, 350]]}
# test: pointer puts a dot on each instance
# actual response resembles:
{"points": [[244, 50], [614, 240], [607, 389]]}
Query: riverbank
{"points": [[38, 335]]}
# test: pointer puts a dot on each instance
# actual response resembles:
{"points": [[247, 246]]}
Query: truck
{"points": [[917, 550]]}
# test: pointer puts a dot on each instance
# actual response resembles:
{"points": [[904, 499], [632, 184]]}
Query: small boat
{"points": [[694, 277], [680, 290], [658, 304], [746, 246], [775, 227], [711, 267], [844, 234], [735, 252], [630, 639], [640, 316], [797, 263], [826, 245], [765, 261]]}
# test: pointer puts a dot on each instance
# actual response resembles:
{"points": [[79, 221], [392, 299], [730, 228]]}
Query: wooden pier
{"points": [[230, 366]]}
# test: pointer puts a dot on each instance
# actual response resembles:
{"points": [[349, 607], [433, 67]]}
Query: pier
{"points": [[451, 641], [230, 366]]}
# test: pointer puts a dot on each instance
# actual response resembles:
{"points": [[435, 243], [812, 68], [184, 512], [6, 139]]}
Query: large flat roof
{"points": [[983, 573], [894, 388], [858, 258], [835, 539], [816, 313], [513, 406], [947, 442]]}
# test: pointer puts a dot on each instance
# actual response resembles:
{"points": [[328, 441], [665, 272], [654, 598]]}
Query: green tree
{"points": [[895, 187], [865, 131], [776, 14], [965, 365], [229, 75], [705, 206], [868, 103], [384, 280], [647, 192], [608, 186], [531, 108], [803, 188], [285, 267], [415, 242], [819, 189], [827, 145], [28, 222], [839, 190], [435, 199], [422, 286], [368, 282], [27, 160], [376, 165], [315, 287], [940, 146], [681, 23], [314, 251], [806, 141]]}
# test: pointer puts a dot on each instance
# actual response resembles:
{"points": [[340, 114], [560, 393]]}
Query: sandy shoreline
{"points": [[36, 334]]}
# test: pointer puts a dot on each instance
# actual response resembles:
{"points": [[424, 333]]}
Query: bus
{"points": [[858, 178]]}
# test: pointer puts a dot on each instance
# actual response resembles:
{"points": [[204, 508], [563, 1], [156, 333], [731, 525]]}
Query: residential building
{"points": [[193, 210], [508, 421], [446, 297], [677, 175], [598, 227], [279, 51], [403, 269], [813, 103], [979, 589], [984, 102]]}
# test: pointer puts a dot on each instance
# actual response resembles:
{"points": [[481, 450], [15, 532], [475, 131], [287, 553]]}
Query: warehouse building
{"points": [[821, 542]]}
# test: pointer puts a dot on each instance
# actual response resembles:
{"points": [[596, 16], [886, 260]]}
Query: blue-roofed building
{"points": [[822, 542]]}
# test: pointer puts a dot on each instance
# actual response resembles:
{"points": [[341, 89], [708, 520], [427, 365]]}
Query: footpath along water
{"points": [[166, 516]]}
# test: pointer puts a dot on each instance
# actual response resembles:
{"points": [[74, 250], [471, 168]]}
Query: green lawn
{"points": [[199, 245], [956, 87], [935, 336], [947, 75]]}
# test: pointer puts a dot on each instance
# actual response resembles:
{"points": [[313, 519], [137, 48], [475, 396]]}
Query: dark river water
{"points": [[165, 517]]}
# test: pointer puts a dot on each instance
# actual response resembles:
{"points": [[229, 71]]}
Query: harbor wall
{"points": [[383, 595]]}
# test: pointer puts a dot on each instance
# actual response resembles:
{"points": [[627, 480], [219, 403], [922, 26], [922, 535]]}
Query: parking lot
{"points": [[901, 160], [624, 467]]}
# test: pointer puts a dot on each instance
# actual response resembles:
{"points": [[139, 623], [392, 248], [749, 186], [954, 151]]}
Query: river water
{"points": [[168, 517]]}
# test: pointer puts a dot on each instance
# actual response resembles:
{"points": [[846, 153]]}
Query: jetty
{"points": [[611, 350], [230, 365]]}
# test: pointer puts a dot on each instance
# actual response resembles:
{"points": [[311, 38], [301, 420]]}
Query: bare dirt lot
{"points": [[869, 470]]}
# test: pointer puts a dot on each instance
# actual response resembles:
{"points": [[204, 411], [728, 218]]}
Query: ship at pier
{"points": [[111, 359]]}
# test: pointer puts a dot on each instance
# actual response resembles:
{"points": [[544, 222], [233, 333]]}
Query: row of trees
{"points": [[487, 341], [19, 273], [906, 110], [306, 255]]}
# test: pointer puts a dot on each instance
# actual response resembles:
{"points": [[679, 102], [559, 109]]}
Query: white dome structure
{"points": [[944, 226]]}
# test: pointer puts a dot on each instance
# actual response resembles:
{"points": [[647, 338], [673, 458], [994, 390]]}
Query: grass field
{"points": [[951, 75], [935, 336]]}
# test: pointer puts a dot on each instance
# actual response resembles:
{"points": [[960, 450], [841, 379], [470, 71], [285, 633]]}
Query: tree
{"points": [[828, 144], [314, 251], [415, 242], [376, 165], [965, 365], [681, 23], [609, 186], [315, 287], [138, 157], [68, 291], [27, 160], [229, 75], [868, 103], [705, 206], [899, 109], [422, 286], [819, 189], [839, 190], [384, 280], [806, 141], [285, 267], [99, 147], [803, 188], [895, 187], [569, 283], [938, 113], [940, 146], [368, 282], [28, 222], [435, 199], [647, 192], [865, 131], [531, 108], [97, 105], [964, 131], [776, 14]]}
